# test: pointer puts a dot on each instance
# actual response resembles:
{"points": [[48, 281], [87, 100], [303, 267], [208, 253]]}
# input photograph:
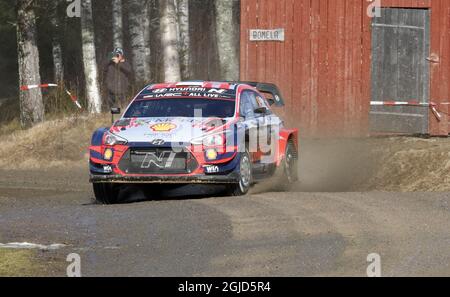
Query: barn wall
{"points": [[324, 66], [440, 50]]}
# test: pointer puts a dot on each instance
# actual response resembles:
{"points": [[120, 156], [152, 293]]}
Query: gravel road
{"points": [[264, 234]]}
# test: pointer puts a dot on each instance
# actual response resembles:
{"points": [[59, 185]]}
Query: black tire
{"points": [[106, 193], [245, 177], [288, 174]]}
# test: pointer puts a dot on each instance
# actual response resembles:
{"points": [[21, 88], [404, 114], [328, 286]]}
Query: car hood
{"points": [[182, 130]]}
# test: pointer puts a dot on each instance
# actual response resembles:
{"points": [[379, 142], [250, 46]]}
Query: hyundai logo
{"points": [[158, 142]]}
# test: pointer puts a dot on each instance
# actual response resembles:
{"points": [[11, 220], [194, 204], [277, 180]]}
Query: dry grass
{"points": [[412, 164], [9, 110], [15, 263], [10, 127], [24, 263], [53, 143]]}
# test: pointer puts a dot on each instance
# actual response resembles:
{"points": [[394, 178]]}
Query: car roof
{"points": [[198, 89], [200, 84], [266, 88]]}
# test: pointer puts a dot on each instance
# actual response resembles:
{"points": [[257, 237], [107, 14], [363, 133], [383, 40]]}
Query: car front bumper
{"points": [[191, 179]]}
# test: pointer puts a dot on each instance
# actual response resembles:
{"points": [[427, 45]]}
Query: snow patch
{"points": [[29, 246]]}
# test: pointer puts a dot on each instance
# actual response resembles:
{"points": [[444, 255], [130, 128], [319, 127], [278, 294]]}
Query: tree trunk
{"points": [[89, 58], [58, 65], [31, 104], [147, 39], [227, 44], [136, 20], [185, 40], [117, 23], [169, 41]]}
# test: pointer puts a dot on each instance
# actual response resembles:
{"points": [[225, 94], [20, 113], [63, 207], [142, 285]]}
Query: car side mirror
{"points": [[271, 102], [261, 110], [114, 111]]}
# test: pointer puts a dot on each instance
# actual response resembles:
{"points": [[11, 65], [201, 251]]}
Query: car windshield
{"points": [[188, 107]]}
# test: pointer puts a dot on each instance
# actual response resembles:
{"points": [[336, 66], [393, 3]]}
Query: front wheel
{"points": [[106, 193], [245, 177]]}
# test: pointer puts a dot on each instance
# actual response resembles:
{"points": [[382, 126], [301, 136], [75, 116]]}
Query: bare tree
{"points": [[117, 23], [184, 38], [226, 26], [137, 16], [89, 58], [31, 104], [169, 41], [58, 65]]}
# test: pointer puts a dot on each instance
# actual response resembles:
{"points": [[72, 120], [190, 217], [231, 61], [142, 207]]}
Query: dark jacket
{"points": [[117, 77]]}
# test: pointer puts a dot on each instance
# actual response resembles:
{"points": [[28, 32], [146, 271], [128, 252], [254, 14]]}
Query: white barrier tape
{"points": [[431, 105], [436, 113], [74, 99], [400, 103], [44, 86]]}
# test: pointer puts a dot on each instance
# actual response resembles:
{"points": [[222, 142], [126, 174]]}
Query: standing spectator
{"points": [[117, 79]]}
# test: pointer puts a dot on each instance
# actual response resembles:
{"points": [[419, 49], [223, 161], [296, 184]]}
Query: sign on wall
{"points": [[267, 35]]}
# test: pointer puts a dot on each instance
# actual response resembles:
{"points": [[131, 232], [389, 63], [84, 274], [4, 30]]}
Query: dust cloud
{"points": [[336, 165], [390, 164]]}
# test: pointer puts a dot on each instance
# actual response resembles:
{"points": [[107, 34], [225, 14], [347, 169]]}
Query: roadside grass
{"points": [[57, 105], [9, 115], [57, 142], [24, 263], [10, 127], [409, 164]]}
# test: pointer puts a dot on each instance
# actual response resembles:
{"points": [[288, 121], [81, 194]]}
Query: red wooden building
{"points": [[338, 56]]}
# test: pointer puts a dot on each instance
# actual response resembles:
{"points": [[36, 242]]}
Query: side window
{"points": [[248, 104], [262, 102]]}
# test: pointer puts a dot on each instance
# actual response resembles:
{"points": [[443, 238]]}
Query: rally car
{"points": [[221, 133]]}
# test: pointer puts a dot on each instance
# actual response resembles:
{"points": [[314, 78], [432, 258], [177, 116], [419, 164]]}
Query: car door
{"points": [[251, 122], [268, 125], [261, 129]]}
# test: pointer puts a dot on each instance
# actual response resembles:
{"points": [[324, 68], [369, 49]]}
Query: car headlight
{"points": [[214, 140], [210, 140], [112, 139]]}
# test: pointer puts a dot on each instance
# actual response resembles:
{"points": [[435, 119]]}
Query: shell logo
{"points": [[163, 127]]}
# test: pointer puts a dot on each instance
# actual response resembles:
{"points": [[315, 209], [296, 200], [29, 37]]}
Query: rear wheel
{"points": [[106, 193], [291, 163], [245, 177], [289, 168]]}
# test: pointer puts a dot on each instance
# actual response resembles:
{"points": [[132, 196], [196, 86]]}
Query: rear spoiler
{"points": [[267, 88]]}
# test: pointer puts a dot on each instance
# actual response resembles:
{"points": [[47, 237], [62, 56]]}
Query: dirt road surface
{"points": [[264, 234]]}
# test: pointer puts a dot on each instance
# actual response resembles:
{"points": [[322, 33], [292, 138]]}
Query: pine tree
{"points": [[184, 38], [117, 23], [138, 13], [169, 41], [58, 65], [147, 39], [227, 44]]}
